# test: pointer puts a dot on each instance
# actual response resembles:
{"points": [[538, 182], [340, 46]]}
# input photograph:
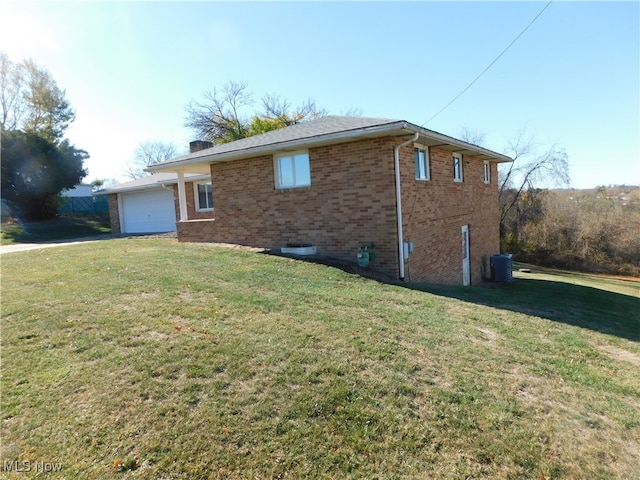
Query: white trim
{"points": [[393, 128], [460, 178], [196, 196], [427, 162], [487, 171], [151, 182], [466, 254], [120, 212], [276, 169], [182, 198], [148, 211], [310, 250]]}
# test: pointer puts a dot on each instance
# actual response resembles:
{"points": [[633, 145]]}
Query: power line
{"points": [[489, 66]]}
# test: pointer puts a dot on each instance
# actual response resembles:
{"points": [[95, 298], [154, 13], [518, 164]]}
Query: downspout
{"points": [[396, 156]]}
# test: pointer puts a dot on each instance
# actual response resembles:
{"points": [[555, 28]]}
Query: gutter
{"points": [[394, 128], [252, 150], [150, 186], [396, 157]]}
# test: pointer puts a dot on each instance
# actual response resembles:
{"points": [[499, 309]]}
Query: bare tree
{"points": [[32, 101], [218, 119], [352, 112], [521, 198], [11, 83], [471, 135], [148, 153], [276, 108], [522, 201], [529, 169]]}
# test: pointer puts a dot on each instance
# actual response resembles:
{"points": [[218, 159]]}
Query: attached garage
{"points": [[151, 211], [147, 205]]}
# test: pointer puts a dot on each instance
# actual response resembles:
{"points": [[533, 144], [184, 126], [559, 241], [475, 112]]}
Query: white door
{"points": [[466, 270], [152, 211]]}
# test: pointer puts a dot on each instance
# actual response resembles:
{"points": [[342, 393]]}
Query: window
{"points": [[422, 164], [292, 170], [487, 172], [457, 167], [204, 196]]}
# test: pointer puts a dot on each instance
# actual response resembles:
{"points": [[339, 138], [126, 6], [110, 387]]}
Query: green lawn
{"points": [[146, 358]]}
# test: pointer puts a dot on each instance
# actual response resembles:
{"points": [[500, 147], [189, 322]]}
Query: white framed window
{"points": [[457, 168], [292, 170], [203, 192], [421, 156], [487, 172]]}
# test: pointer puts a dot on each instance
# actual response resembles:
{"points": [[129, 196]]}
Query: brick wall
{"points": [[114, 214], [192, 214], [434, 212], [351, 202]]}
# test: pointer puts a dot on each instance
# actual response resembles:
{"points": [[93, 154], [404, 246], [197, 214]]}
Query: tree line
{"points": [[594, 230]]}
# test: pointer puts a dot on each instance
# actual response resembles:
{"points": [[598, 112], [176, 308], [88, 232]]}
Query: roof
{"points": [[149, 182], [323, 131], [80, 190]]}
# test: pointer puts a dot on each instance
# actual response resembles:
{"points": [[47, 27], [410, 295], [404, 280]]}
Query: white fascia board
{"points": [[397, 128], [459, 146], [151, 186], [183, 163]]}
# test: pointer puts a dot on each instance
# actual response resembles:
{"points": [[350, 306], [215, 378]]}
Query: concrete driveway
{"points": [[21, 247]]}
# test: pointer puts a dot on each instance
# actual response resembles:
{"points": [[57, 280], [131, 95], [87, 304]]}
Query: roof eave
{"points": [[150, 186], [398, 128], [435, 139], [182, 163]]}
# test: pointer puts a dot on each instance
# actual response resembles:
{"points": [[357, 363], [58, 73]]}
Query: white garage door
{"points": [[148, 212]]}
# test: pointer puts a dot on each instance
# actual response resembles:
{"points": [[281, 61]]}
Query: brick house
{"points": [[149, 204], [428, 201]]}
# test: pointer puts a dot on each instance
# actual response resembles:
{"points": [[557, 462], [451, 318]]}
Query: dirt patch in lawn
{"points": [[620, 354]]}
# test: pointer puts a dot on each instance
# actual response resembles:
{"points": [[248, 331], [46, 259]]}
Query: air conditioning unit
{"points": [[502, 267]]}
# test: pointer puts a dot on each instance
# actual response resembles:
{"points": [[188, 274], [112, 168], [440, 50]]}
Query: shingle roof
{"points": [[315, 131], [314, 128]]}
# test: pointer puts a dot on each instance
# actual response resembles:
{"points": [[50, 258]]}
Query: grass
{"points": [[611, 283], [146, 358], [62, 228], [605, 303]]}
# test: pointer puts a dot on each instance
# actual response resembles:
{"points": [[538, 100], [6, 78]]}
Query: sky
{"points": [[130, 68]]}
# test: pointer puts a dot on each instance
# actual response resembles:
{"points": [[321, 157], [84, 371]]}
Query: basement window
{"points": [[204, 196], [421, 156], [292, 170], [457, 168]]}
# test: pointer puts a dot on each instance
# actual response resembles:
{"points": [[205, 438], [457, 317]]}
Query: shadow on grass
{"points": [[62, 228], [578, 305], [344, 264]]}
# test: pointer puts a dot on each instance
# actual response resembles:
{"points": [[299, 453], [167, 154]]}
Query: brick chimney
{"points": [[198, 145]]}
